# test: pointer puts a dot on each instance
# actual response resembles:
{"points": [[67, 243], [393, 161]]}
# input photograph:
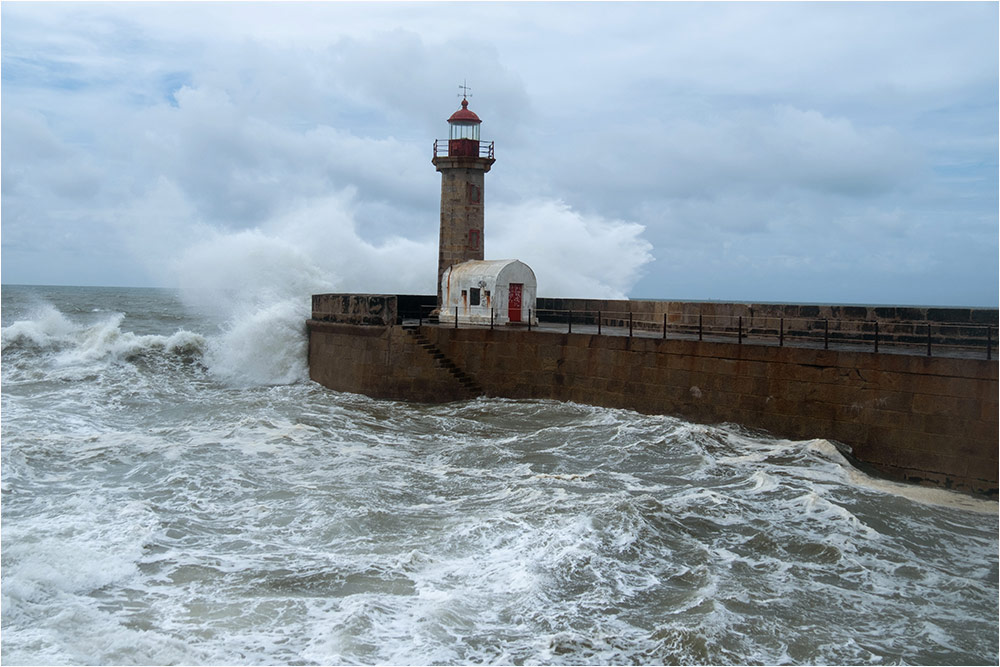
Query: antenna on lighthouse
{"points": [[465, 94]]}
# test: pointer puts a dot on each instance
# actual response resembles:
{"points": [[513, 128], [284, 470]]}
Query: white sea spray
{"points": [[167, 499]]}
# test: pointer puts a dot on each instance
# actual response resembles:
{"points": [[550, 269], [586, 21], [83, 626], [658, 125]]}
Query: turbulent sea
{"points": [[176, 491]]}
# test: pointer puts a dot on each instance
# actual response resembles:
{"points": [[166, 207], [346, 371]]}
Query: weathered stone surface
{"points": [[929, 419], [378, 361], [462, 200], [373, 309]]}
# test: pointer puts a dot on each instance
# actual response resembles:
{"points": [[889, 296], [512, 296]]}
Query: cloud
{"points": [[762, 151], [30, 136], [39, 164], [804, 148], [799, 135], [234, 174], [572, 254], [318, 248]]}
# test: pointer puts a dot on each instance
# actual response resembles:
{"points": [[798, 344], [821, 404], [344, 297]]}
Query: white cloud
{"points": [[572, 254], [759, 151], [800, 133], [317, 248]]}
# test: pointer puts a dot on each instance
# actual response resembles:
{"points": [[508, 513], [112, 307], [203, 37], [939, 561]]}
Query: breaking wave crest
{"points": [[266, 345], [264, 348], [52, 332]]}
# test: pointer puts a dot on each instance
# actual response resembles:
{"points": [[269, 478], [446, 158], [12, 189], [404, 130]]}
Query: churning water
{"points": [[176, 491]]}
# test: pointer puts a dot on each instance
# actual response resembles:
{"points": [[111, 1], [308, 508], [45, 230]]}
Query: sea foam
{"points": [[73, 342], [267, 346], [45, 327], [259, 286]]}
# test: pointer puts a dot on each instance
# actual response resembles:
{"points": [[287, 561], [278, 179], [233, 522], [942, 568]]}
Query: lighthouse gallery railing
{"points": [[441, 148]]}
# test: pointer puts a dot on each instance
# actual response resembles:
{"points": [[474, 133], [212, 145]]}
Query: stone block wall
{"points": [[370, 309], [461, 236], [912, 417], [381, 361], [931, 419]]}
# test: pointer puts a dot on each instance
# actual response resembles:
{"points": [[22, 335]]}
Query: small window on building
{"points": [[474, 239], [471, 193], [473, 296]]}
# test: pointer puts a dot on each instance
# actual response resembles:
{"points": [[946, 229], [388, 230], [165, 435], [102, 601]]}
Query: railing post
{"points": [[699, 326], [928, 339], [826, 334], [529, 319], [630, 324], [598, 323], [664, 326], [570, 321], [491, 319], [781, 332], [739, 332], [456, 317], [876, 335]]}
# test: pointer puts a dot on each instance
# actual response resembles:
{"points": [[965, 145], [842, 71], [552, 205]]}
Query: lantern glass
{"points": [[464, 131]]}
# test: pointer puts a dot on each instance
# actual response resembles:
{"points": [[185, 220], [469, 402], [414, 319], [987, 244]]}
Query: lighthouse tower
{"points": [[463, 161]]}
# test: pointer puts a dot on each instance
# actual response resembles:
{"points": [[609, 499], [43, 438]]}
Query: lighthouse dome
{"points": [[464, 124], [463, 115]]}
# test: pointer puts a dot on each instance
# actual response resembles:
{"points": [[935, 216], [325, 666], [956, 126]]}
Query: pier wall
{"points": [[688, 311], [855, 323], [379, 361], [928, 419]]}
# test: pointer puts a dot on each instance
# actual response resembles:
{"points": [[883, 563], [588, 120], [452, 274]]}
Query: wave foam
{"points": [[73, 343], [47, 328], [262, 344], [264, 348]]}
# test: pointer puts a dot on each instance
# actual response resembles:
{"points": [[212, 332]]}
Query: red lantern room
{"points": [[463, 138]]}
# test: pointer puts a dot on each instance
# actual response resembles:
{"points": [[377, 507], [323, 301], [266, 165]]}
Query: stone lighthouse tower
{"points": [[463, 162]]}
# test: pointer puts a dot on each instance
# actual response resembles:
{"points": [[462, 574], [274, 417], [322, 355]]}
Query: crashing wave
{"points": [[51, 331]]}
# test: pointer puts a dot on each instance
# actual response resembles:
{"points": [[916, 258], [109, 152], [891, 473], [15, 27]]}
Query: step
{"points": [[444, 362]]}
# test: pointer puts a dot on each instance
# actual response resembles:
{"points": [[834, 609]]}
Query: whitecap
{"points": [[47, 327]]}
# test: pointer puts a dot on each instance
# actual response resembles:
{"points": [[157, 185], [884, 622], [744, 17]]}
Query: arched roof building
{"points": [[501, 291]]}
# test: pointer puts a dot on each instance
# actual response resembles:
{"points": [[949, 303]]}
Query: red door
{"points": [[514, 302]]}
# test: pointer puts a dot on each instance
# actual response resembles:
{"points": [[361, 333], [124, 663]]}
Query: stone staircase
{"points": [[467, 383]]}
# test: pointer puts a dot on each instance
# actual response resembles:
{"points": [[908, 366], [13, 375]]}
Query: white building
{"points": [[504, 289]]}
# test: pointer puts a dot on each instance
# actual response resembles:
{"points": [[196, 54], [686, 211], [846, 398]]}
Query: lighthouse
{"points": [[470, 289], [463, 161]]}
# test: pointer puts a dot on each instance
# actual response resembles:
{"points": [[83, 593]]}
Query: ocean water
{"points": [[175, 491]]}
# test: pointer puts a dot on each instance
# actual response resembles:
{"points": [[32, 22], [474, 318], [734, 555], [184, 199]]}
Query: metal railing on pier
{"points": [[913, 337]]}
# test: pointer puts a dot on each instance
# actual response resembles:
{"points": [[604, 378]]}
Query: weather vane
{"points": [[465, 90]]}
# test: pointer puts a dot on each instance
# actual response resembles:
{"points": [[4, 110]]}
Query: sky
{"points": [[751, 152]]}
